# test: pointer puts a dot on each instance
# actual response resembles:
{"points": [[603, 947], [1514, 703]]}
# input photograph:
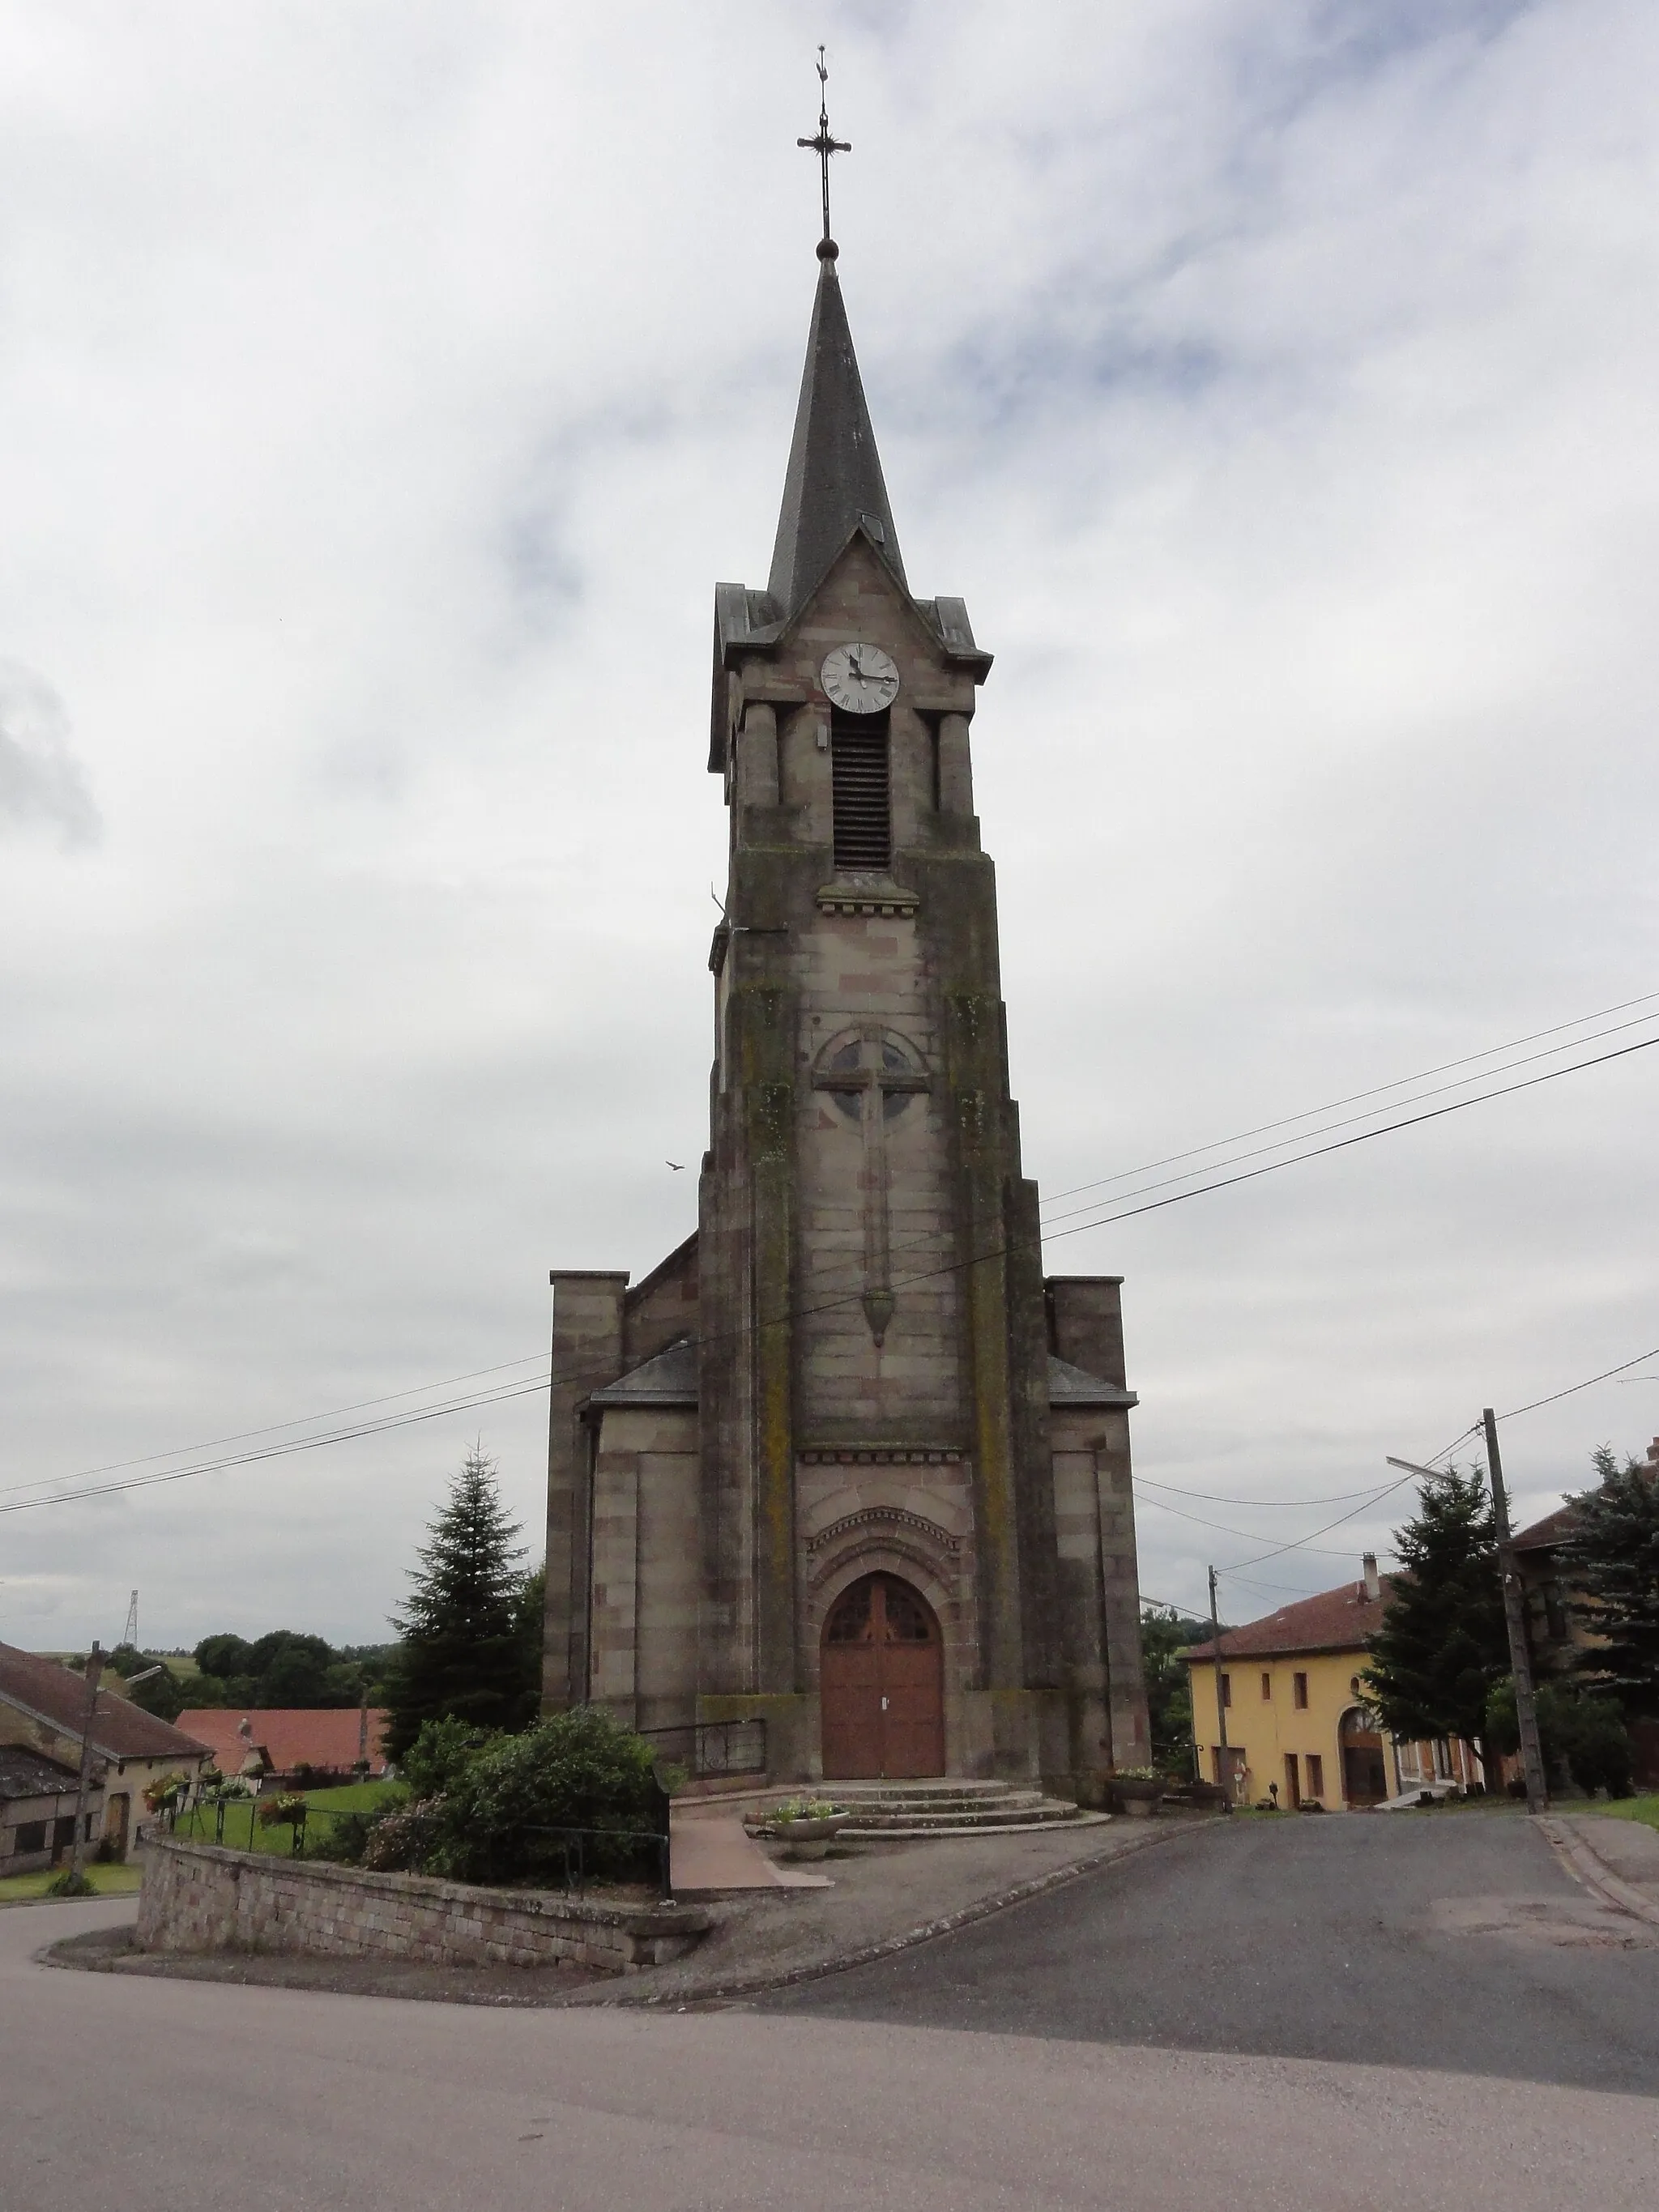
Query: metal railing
{"points": [[603, 1851], [710, 1747], [576, 1855]]}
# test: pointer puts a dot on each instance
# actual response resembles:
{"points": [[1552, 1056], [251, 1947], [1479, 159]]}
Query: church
{"points": [[846, 1461]]}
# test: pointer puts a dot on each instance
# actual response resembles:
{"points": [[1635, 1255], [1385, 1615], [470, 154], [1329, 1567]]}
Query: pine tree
{"points": [[1442, 1643], [463, 1650], [1611, 1556]]}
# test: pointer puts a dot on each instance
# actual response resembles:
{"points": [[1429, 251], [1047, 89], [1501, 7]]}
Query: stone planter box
{"points": [[1140, 1800], [198, 1897], [810, 1840]]}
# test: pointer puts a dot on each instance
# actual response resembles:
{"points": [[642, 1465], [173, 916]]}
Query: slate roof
{"points": [[289, 1736], [669, 1379], [26, 1773], [45, 1689], [1335, 1621], [833, 491], [834, 484], [1070, 1385]]}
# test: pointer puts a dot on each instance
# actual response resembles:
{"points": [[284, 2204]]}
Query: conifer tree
{"points": [[463, 1649], [1611, 1556], [1442, 1643]]}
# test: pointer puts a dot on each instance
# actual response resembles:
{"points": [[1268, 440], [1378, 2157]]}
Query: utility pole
{"points": [[1526, 1706], [77, 1841], [1220, 1701]]}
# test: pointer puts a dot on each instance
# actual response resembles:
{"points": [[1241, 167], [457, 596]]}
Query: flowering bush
{"points": [[1137, 1774], [164, 1793], [405, 1839]]}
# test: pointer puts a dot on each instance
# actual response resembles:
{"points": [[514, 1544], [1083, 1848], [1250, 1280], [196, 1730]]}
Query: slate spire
{"points": [[834, 485]]}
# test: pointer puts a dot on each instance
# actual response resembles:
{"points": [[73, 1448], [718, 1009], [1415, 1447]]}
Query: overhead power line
{"points": [[60, 1496], [1440, 1090]]}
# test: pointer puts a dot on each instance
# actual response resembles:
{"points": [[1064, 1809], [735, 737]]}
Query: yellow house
{"points": [[1298, 1729]]}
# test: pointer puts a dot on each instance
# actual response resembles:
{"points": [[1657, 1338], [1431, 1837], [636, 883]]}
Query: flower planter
{"points": [[810, 1840], [1139, 1799]]}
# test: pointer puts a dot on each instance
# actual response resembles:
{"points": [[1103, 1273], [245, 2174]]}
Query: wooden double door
{"points": [[882, 1684]]}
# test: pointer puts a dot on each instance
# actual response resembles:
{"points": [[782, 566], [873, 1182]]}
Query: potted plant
{"points": [[1138, 1790], [807, 1825]]}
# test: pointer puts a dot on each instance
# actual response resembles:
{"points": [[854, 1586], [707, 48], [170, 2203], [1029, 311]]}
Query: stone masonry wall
{"points": [[197, 1898]]}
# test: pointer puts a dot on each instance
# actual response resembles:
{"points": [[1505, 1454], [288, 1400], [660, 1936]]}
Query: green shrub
{"points": [[69, 1884], [440, 1755], [1582, 1737], [578, 1770], [1600, 1753]]}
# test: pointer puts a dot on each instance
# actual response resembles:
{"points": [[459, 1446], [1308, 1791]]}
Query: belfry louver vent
{"points": [[863, 809]]}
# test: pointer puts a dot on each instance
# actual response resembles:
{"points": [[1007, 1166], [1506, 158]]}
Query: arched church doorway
{"points": [[1364, 1770], [882, 1684]]}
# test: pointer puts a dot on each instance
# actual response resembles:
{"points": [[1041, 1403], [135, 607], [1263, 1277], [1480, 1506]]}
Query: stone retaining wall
{"points": [[198, 1897]]}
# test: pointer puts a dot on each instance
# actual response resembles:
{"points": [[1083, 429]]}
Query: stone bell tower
{"points": [[846, 1460]]}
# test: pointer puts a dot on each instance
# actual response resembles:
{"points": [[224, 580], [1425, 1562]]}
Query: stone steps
{"points": [[949, 1808]]}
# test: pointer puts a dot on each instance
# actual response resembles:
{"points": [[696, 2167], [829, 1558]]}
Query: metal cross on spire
{"points": [[823, 146]]}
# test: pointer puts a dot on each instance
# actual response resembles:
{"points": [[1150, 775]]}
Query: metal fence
{"points": [[709, 1747], [571, 1859]]}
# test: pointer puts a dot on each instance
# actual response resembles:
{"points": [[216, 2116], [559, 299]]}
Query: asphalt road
{"points": [[1342, 1938], [176, 2096]]}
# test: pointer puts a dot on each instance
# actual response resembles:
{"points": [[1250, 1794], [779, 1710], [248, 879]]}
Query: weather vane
{"points": [[823, 146]]}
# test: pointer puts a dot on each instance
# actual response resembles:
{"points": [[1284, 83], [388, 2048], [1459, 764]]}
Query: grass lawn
{"points": [[1630, 1808], [107, 1880], [244, 1832], [352, 1797]]}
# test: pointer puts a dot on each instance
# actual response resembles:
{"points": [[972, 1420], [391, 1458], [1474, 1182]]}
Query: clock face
{"points": [[859, 679]]}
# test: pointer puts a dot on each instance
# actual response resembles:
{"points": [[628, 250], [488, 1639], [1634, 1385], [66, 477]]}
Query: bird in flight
{"points": [[676, 1164]]}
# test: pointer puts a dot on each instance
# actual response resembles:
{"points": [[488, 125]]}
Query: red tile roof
{"points": [[1542, 1534], [45, 1688], [1335, 1621], [325, 1736]]}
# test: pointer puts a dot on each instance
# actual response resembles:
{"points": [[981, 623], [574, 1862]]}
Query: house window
{"points": [[1300, 1683], [1226, 1692], [860, 787], [32, 1836], [1267, 1685], [1315, 1775]]}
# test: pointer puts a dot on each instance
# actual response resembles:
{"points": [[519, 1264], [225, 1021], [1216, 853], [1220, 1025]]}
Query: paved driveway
{"points": [[169, 2096], [1447, 1940]]}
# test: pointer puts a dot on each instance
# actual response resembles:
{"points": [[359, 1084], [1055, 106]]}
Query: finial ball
{"points": [[828, 249]]}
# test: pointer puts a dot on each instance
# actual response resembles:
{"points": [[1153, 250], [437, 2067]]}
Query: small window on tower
{"points": [[861, 782]]}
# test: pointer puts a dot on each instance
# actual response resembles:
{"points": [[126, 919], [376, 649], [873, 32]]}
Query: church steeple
{"points": [[834, 485]]}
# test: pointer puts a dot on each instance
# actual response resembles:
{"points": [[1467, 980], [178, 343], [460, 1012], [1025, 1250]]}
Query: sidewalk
{"points": [[712, 1854], [1618, 1860]]}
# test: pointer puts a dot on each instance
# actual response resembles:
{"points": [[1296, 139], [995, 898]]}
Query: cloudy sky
{"points": [[383, 388]]}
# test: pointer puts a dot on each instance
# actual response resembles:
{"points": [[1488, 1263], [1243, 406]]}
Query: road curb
{"points": [[1588, 1867], [754, 1985]]}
